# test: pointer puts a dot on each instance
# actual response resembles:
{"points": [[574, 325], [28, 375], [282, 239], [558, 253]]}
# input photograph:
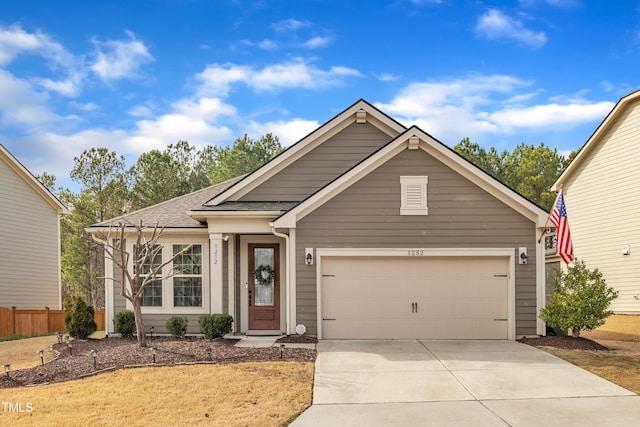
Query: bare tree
{"points": [[145, 270]]}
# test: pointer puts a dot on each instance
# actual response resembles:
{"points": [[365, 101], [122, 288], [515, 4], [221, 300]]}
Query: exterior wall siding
{"points": [[321, 165], [29, 254], [602, 199], [461, 215]]}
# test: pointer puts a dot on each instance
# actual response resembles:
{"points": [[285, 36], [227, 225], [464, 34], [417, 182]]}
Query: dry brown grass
{"points": [[621, 365], [22, 354], [246, 394]]}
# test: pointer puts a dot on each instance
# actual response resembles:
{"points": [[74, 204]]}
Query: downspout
{"points": [[287, 274]]}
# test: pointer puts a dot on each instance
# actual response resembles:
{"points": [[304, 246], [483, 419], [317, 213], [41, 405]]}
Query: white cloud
{"points": [[14, 40], [487, 105], [290, 25], [316, 42], [217, 79], [495, 25], [387, 77], [21, 105], [267, 44], [548, 115], [288, 132], [118, 59], [141, 111]]}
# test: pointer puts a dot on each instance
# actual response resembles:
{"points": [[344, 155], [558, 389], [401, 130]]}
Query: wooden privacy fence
{"points": [[33, 322]]}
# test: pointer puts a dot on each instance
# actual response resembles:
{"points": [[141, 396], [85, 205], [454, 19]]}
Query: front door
{"points": [[264, 286]]}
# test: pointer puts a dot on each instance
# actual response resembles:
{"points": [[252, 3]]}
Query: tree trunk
{"points": [[137, 310], [575, 332]]}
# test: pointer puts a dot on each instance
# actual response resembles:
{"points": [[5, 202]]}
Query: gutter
{"points": [[287, 274]]}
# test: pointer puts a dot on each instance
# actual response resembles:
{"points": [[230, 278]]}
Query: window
{"points": [[187, 276], [152, 294], [414, 195]]}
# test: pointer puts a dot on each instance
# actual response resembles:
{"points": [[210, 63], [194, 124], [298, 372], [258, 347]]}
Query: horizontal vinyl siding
{"points": [[602, 202], [159, 322], [321, 165], [461, 215], [29, 253]]}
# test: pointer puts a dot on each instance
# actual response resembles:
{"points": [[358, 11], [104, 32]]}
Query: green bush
{"points": [[124, 323], [215, 325], [177, 326], [579, 301], [79, 319]]}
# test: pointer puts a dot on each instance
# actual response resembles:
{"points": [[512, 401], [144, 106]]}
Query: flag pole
{"points": [[549, 216]]}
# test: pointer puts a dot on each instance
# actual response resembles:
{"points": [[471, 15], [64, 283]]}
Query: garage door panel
{"points": [[415, 297]]}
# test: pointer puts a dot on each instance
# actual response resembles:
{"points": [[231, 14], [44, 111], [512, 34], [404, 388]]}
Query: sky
{"points": [[137, 75]]}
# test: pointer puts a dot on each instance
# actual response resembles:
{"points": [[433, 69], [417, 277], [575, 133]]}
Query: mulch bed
{"points": [[118, 353], [297, 339], [565, 343]]}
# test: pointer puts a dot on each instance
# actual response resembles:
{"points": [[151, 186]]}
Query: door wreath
{"points": [[264, 275]]}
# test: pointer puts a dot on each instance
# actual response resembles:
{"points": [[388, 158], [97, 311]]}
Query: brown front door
{"points": [[264, 286]]}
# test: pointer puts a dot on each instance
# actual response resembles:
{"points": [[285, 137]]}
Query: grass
{"points": [[621, 365], [245, 394]]}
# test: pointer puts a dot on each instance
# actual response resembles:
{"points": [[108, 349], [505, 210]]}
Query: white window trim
{"points": [[167, 284], [411, 205]]}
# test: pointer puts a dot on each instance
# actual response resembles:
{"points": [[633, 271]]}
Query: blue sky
{"points": [[141, 74]]}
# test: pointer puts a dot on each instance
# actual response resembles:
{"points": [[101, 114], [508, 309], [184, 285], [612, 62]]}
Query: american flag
{"points": [[558, 217]]}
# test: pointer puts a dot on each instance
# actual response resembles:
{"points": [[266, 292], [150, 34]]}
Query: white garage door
{"points": [[414, 297]]}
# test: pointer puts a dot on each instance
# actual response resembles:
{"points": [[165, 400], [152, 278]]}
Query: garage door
{"points": [[414, 297]]}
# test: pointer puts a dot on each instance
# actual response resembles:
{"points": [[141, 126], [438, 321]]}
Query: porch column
{"points": [[215, 255]]}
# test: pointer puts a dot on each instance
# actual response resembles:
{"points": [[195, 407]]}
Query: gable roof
{"points": [[32, 181], [596, 138], [360, 110], [415, 138]]}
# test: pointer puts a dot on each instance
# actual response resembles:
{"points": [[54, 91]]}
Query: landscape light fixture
{"points": [[69, 346], [154, 350], [94, 352], [6, 367], [66, 338], [59, 336], [151, 331], [281, 350], [209, 353], [41, 354]]}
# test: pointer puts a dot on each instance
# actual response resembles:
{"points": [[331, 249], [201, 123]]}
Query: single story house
{"points": [[362, 229], [600, 187], [30, 235]]}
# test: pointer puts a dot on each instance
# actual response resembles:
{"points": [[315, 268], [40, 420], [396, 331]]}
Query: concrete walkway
{"points": [[459, 383]]}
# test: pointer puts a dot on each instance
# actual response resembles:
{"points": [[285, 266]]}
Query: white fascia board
{"points": [[593, 140], [483, 180], [290, 219], [308, 143], [28, 177], [438, 151]]}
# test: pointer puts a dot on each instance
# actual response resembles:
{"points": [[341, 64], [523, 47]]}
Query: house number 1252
{"points": [[415, 252]]}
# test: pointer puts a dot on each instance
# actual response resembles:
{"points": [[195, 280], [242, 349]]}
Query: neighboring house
{"points": [[602, 196], [362, 229], [30, 236]]}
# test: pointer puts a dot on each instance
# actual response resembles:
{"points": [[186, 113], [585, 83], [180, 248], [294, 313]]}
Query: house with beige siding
{"points": [[602, 196], [30, 235], [365, 228]]}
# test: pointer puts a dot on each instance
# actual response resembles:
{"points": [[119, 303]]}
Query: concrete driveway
{"points": [[459, 383]]}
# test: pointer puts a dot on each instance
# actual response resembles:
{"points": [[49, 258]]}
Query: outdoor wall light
{"points": [[308, 256], [69, 346], [59, 336], [154, 350], [6, 367], [41, 354], [94, 352]]}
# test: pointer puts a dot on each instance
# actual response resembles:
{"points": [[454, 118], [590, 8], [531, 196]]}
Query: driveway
{"points": [[459, 383]]}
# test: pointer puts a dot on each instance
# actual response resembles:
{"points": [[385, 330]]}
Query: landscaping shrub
{"points": [[124, 323], [215, 325], [79, 319], [177, 326], [580, 300]]}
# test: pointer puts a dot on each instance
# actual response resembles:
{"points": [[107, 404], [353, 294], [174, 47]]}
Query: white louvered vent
{"points": [[414, 195]]}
